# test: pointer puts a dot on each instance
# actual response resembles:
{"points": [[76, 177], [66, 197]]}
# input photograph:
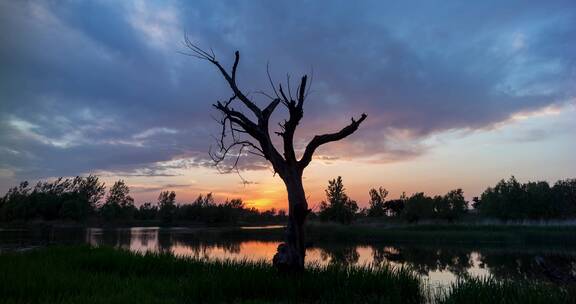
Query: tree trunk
{"points": [[290, 255]]}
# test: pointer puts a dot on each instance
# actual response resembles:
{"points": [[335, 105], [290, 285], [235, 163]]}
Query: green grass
{"points": [[104, 275], [491, 291], [83, 274]]}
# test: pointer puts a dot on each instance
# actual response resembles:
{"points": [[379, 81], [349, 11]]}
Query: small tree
{"points": [[418, 206], [450, 206], [564, 196], [377, 202], [505, 200], [119, 204], [167, 205], [90, 190], [235, 203], [340, 207], [204, 201], [82, 198]]}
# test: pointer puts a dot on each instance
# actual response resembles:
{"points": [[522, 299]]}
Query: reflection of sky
{"points": [[458, 94], [146, 240]]}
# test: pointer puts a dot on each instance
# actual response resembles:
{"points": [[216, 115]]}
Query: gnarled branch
{"points": [[319, 140], [231, 79], [239, 122]]}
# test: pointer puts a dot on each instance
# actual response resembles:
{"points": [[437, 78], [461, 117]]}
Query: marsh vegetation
{"points": [[104, 275]]}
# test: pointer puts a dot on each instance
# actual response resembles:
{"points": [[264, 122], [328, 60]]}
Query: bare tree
{"points": [[253, 136]]}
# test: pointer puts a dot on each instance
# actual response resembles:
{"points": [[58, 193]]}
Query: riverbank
{"points": [[105, 275]]}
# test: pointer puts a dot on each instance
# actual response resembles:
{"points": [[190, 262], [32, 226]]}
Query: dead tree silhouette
{"points": [[291, 254]]}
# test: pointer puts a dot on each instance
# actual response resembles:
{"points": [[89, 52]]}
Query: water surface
{"points": [[439, 265]]}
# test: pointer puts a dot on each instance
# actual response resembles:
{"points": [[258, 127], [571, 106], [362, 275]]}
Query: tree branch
{"points": [[240, 119], [319, 140], [210, 57], [301, 94]]}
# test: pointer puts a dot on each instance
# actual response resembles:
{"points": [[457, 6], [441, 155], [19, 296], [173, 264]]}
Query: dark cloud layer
{"points": [[99, 85]]}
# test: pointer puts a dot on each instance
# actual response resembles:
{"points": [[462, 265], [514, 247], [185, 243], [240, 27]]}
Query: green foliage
{"points": [[564, 197], [340, 207], [147, 212], [119, 204], [104, 275], [418, 207], [70, 198], [167, 205], [378, 207], [204, 201], [448, 207], [492, 291], [510, 199]]}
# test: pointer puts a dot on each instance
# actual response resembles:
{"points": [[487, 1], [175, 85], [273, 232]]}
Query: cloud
{"points": [[153, 132], [88, 86]]}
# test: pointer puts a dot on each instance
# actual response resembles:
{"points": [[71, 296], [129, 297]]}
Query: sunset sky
{"points": [[459, 94]]}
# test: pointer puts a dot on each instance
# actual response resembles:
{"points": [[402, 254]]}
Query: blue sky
{"points": [[100, 87]]}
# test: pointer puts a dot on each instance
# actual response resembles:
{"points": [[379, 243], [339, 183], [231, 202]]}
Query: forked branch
{"points": [[319, 140], [197, 52]]}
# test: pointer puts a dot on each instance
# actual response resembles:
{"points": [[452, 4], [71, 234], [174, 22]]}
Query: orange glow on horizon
{"points": [[260, 203]]}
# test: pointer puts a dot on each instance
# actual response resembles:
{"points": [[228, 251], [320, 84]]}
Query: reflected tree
{"points": [[340, 255], [423, 259], [554, 267]]}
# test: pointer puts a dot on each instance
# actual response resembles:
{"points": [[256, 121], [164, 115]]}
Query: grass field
{"points": [[105, 275], [488, 290]]}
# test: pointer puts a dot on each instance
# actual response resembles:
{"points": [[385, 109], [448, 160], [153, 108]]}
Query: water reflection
{"points": [[440, 265]]}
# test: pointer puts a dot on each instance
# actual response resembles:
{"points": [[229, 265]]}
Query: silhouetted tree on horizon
{"points": [[167, 205], [339, 207], [118, 204], [377, 202], [291, 254]]}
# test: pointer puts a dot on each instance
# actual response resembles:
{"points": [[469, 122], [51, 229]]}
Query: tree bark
{"points": [[291, 254]]}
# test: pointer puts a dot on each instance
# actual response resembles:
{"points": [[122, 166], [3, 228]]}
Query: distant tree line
{"points": [[508, 200], [83, 198]]}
